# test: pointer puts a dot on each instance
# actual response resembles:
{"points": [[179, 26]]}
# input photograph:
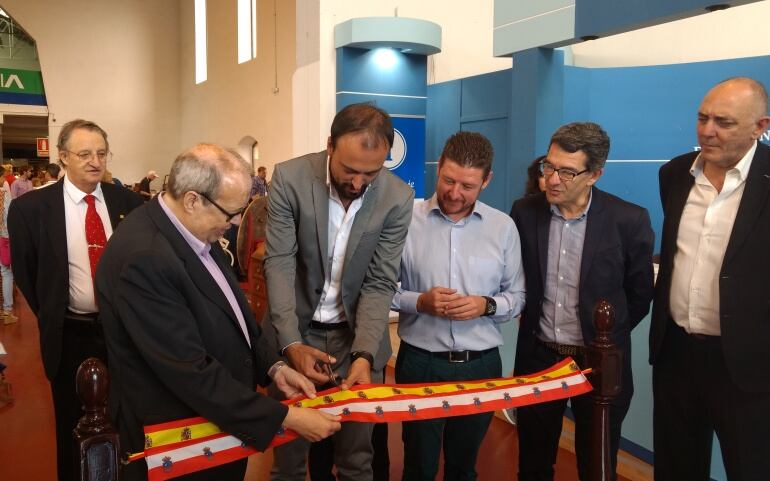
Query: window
{"points": [[200, 41], [247, 30]]}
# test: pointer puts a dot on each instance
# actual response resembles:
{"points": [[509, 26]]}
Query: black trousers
{"points": [[694, 397], [81, 340], [539, 426]]}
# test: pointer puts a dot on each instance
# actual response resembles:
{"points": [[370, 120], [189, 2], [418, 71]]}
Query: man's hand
{"points": [[360, 373], [311, 424], [466, 308], [436, 301], [292, 384], [306, 360]]}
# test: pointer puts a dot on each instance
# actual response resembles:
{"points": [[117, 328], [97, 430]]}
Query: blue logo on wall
{"points": [[407, 156], [397, 152]]}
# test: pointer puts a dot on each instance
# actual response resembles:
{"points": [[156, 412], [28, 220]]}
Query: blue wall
{"points": [[649, 114], [397, 86]]}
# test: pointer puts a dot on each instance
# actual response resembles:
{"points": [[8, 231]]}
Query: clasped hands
{"points": [[448, 303]]}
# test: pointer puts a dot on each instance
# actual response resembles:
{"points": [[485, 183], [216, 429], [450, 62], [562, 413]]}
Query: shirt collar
{"points": [[78, 195], [742, 167], [555, 210], [434, 207], [198, 246]]}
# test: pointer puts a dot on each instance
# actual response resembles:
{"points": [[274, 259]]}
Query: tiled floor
{"points": [[27, 433]]}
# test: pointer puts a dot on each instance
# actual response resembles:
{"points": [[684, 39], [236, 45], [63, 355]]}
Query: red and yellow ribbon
{"points": [[181, 447]]}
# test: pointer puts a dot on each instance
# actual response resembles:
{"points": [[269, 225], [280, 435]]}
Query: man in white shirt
{"points": [[337, 221], [711, 322], [57, 235], [51, 175]]}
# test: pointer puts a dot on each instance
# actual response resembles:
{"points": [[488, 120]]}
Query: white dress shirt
{"points": [[704, 232], [81, 283], [330, 309]]}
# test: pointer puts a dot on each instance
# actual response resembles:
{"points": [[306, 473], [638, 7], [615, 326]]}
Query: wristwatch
{"points": [[491, 307], [366, 355]]}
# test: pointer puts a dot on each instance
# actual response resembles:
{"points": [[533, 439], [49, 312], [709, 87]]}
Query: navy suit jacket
{"points": [[744, 295], [38, 233], [175, 347], [616, 265]]}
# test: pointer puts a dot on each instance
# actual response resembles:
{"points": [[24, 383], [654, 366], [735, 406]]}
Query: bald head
{"points": [[732, 116], [752, 90], [204, 167]]}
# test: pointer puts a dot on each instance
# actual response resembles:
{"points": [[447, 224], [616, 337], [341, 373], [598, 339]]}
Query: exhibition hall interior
{"points": [[266, 78]]}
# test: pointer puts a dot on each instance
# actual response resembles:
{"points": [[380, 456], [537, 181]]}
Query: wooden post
{"points": [[97, 445], [606, 360]]}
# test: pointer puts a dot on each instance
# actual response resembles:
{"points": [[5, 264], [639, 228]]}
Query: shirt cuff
{"points": [[407, 302], [283, 349], [503, 313], [275, 368]]}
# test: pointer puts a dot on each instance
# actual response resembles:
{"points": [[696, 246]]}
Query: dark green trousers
{"points": [[460, 436]]}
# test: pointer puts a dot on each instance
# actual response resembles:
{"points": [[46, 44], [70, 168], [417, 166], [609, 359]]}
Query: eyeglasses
{"points": [[230, 215], [87, 155], [567, 175]]}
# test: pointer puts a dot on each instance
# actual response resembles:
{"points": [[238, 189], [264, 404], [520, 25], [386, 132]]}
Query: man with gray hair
{"points": [[181, 338], [57, 236], [579, 245], [144, 185]]}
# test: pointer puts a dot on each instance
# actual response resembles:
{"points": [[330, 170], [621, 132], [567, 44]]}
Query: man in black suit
{"points": [[52, 266], [181, 337], [710, 332], [579, 245]]}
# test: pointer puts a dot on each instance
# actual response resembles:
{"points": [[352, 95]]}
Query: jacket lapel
{"points": [[56, 223], [321, 206], [193, 265], [594, 228], [115, 208], [674, 207], [543, 233], [755, 195], [362, 218]]}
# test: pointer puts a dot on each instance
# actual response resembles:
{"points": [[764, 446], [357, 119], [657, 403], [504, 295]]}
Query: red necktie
{"points": [[95, 235]]}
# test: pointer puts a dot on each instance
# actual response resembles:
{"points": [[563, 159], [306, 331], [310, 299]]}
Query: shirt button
{"points": [[561, 278], [558, 305], [563, 251]]}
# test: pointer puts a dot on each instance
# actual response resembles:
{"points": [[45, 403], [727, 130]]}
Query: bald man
{"points": [[710, 333]]}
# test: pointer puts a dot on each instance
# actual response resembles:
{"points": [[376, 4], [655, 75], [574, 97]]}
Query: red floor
{"points": [[27, 429]]}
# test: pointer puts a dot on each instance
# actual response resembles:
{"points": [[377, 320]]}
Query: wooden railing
{"points": [[606, 360], [98, 447]]}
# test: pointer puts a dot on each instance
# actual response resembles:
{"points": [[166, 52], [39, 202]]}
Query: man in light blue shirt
{"points": [[461, 277]]}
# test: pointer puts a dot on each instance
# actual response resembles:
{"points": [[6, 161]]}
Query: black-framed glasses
{"points": [[87, 155], [567, 175], [230, 215]]}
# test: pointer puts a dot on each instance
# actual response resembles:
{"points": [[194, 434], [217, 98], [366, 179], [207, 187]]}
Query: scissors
{"points": [[326, 367]]}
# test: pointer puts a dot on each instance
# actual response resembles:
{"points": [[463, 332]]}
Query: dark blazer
{"points": [[744, 295], [297, 253], [37, 231], [174, 344], [616, 265]]}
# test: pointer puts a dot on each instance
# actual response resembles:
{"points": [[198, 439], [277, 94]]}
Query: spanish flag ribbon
{"points": [[185, 446]]}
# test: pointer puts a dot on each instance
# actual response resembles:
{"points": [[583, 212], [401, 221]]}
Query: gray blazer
{"points": [[296, 259]]}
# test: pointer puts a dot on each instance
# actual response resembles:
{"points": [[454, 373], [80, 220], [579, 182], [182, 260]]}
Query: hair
{"points": [[53, 170], [72, 125], [152, 172], [261, 168], [757, 89], [365, 119], [532, 187], [469, 149], [202, 168], [586, 137]]}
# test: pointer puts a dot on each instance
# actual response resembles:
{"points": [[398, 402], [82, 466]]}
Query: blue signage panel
{"points": [[407, 157]]}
